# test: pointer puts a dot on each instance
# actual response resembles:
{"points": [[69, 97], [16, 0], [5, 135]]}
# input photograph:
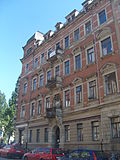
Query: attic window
{"points": [[73, 16], [29, 50]]}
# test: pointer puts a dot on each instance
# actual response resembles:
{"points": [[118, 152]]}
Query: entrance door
{"points": [[56, 136]]}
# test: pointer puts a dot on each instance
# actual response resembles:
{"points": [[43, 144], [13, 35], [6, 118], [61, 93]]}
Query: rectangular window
{"points": [[36, 62], [48, 75], [57, 70], [90, 55], [78, 94], [106, 46], [49, 52], [34, 84], [41, 80], [115, 125], [38, 135], [67, 98], [27, 68], [78, 62], [30, 136], [66, 42], [80, 132], [92, 90], [29, 50], [42, 58], [48, 102], [110, 83], [22, 115], [39, 107], [67, 67], [25, 88], [46, 135], [67, 133], [88, 27], [32, 109], [102, 17], [57, 45], [95, 131], [76, 35]]}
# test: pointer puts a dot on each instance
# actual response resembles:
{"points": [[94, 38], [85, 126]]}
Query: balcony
{"points": [[55, 82], [54, 55], [50, 112]]}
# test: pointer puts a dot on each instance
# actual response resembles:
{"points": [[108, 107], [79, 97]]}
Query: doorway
{"points": [[55, 137]]}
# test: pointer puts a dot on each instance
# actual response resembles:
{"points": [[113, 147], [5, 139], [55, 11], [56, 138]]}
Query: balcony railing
{"points": [[54, 55], [55, 82]]}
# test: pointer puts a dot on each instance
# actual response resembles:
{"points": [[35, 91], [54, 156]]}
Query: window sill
{"points": [[107, 55]]}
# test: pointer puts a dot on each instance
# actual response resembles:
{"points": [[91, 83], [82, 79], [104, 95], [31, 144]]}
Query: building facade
{"points": [[69, 93]]}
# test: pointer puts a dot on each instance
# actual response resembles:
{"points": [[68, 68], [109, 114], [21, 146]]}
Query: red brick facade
{"points": [[100, 109]]}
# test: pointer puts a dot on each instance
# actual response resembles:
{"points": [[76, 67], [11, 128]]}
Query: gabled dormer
{"points": [[58, 26], [72, 15], [48, 34], [86, 3]]}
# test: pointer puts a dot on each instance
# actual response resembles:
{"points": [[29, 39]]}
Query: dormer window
{"points": [[29, 50], [58, 26], [72, 15]]}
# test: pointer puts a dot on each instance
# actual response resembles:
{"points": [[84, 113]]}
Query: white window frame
{"points": [[74, 35], [43, 79], [33, 83], [99, 19], [75, 94], [21, 112], [85, 27], [45, 102], [55, 68], [79, 53], [100, 45], [40, 108], [64, 98], [31, 109], [89, 80], [64, 67], [64, 42], [46, 74], [92, 46]]}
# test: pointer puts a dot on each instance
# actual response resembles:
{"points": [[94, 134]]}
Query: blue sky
{"points": [[19, 20]]}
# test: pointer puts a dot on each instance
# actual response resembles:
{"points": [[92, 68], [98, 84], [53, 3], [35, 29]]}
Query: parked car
{"points": [[81, 154], [12, 151], [44, 154]]}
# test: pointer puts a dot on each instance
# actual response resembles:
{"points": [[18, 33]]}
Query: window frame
{"points": [[42, 74], [42, 60], [47, 75], [55, 70], [22, 112], [99, 17], [79, 53], [34, 88], [37, 135], [25, 87], [85, 27], [90, 80], [68, 42], [117, 124], [77, 39], [64, 70], [77, 104], [41, 107], [67, 133], [64, 98], [97, 127], [32, 111], [46, 135], [80, 134], [88, 48]]}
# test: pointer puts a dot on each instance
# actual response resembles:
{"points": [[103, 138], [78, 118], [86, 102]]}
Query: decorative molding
{"points": [[77, 80], [107, 67], [103, 32]]}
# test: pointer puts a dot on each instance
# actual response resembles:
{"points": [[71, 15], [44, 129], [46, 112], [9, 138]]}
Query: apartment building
{"points": [[69, 93]]}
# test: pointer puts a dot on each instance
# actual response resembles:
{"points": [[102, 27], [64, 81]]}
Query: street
{"points": [[7, 159]]}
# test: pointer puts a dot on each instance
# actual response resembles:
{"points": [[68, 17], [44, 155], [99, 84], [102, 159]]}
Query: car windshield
{"points": [[57, 151], [83, 155]]}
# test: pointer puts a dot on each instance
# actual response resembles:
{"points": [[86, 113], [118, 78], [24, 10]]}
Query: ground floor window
{"points": [[80, 132], [67, 133], [46, 135], [115, 125], [95, 131]]}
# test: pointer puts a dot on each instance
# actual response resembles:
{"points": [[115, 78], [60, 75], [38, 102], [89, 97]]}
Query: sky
{"points": [[19, 20]]}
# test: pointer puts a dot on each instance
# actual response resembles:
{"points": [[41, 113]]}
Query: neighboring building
{"points": [[69, 92]]}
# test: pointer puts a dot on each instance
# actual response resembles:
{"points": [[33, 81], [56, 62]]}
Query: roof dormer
{"points": [[72, 15], [48, 34], [58, 26]]}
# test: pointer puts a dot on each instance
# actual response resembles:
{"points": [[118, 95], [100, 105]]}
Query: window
{"points": [[25, 88], [106, 46], [78, 62], [67, 133], [80, 132], [34, 84], [49, 52], [90, 55], [67, 98], [67, 42], [42, 58], [30, 136], [76, 35], [57, 45], [39, 107], [32, 109], [110, 83], [27, 68], [29, 50], [57, 70], [92, 90], [102, 17], [67, 67], [46, 135], [41, 80], [88, 27], [48, 102], [38, 135], [78, 94], [95, 131], [115, 125], [22, 114], [48, 75], [36, 62]]}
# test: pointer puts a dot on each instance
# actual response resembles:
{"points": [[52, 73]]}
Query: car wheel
{"points": [[25, 158]]}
